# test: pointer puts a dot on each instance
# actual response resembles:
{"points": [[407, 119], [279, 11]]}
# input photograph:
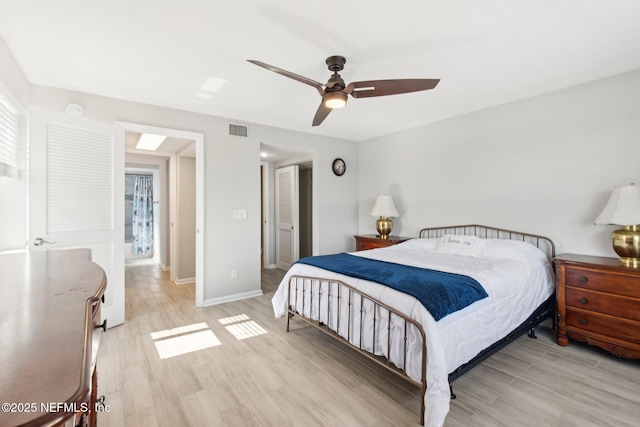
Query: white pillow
{"points": [[420, 245], [514, 249], [461, 245]]}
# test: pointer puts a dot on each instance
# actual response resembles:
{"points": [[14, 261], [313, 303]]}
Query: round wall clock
{"points": [[339, 167]]}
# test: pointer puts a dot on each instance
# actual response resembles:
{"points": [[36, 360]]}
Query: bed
{"points": [[393, 327]]}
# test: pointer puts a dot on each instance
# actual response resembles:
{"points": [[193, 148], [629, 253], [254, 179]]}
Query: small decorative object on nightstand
{"points": [[385, 209], [599, 303], [373, 241]]}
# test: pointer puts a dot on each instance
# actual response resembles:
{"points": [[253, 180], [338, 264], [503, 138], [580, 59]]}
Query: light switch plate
{"points": [[239, 214]]}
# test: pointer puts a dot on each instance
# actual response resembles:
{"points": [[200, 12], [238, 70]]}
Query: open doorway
{"points": [[274, 158], [179, 158]]}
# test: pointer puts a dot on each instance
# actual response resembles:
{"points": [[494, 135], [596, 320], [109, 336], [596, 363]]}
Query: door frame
{"points": [[268, 200], [200, 230]]}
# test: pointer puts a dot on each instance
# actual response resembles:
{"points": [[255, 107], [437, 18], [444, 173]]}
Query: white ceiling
{"points": [[486, 53]]}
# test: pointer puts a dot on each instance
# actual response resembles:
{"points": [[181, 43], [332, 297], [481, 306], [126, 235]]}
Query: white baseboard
{"points": [[229, 298], [164, 267], [271, 266], [185, 281]]}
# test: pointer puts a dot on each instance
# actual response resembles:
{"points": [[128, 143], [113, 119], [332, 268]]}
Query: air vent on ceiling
{"points": [[238, 130]]}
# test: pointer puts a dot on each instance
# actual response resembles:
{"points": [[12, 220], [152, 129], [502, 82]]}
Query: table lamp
{"points": [[385, 209], [623, 209]]}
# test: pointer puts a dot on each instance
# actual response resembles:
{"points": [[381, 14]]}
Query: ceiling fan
{"points": [[335, 93]]}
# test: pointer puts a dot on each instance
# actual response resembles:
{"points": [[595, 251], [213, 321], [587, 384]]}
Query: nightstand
{"points": [[598, 303], [373, 241]]}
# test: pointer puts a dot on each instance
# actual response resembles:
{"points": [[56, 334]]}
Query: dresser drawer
{"points": [[371, 241], [603, 303], [366, 245], [626, 330], [611, 283]]}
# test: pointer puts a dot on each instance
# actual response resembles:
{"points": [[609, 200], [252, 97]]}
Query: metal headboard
{"points": [[543, 243]]}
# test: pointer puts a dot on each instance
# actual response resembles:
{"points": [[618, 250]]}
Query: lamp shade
{"points": [[623, 207], [384, 207]]}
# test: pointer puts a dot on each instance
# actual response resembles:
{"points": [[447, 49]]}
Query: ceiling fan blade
{"points": [[289, 74], [321, 114], [370, 88]]}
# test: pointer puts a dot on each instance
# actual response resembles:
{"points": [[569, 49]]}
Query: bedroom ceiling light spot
{"points": [[150, 142], [213, 84], [335, 100], [184, 339]]}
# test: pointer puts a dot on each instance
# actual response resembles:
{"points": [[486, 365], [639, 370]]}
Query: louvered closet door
{"points": [[287, 250], [76, 194]]}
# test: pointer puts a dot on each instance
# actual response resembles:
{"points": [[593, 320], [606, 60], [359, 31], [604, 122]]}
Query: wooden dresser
{"points": [[599, 303], [373, 241], [49, 333]]}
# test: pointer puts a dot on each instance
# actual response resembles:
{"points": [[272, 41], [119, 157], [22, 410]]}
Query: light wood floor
{"points": [[302, 378]]}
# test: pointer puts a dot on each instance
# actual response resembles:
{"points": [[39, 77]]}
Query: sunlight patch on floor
{"points": [[233, 319], [246, 330], [184, 339], [241, 327]]}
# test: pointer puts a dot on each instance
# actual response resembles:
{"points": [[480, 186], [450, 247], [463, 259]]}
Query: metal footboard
{"points": [[344, 313]]}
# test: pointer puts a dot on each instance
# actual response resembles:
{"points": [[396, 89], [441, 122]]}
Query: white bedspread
{"points": [[516, 276]]}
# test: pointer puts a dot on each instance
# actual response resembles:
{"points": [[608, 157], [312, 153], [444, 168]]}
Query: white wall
{"points": [[232, 181], [12, 78], [186, 207], [545, 165], [13, 201]]}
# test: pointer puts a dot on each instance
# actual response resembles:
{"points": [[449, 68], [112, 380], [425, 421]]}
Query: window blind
{"points": [[12, 138]]}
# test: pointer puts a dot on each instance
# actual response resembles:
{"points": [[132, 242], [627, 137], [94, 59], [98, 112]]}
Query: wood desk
{"points": [[49, 336]]}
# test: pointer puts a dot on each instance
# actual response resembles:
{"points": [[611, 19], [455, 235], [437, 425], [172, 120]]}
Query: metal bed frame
{"points": [[312, 291]]}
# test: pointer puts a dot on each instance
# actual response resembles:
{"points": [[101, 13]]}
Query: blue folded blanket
{"points": [[440, 292]]}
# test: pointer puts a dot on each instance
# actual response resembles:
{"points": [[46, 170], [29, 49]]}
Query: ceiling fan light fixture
{"points": [[335, 100]]}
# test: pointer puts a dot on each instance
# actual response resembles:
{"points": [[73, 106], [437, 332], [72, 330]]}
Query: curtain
{"points": [[142, 214]]}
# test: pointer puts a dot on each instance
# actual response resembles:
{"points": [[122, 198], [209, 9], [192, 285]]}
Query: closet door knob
{"points": [[39, 241]]}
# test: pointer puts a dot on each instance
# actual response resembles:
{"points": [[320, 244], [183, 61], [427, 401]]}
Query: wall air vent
{"points": [[238, 130]]}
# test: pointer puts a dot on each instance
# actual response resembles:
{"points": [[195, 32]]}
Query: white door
{"points": [[287, 250], [76, 194]]}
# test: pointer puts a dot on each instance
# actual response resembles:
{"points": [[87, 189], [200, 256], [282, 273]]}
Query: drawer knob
{"points": [[583, 300], [103, 326], [583, 279], [583, 321]]}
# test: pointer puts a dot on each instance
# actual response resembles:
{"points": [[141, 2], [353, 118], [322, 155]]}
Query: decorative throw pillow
{"points": [[461, 245]]}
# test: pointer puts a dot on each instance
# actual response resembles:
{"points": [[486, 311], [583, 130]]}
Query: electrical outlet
{"points": [[234, 273]]}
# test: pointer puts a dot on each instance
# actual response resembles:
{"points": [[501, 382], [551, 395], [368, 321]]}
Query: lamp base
{"points": [[384, 226], [626, 243]]}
